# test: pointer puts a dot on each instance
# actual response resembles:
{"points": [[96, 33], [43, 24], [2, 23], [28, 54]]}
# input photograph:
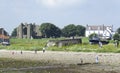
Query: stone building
{"points": [[28, 31]]}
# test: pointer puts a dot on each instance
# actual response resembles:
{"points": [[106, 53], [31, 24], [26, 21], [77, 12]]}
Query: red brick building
{"points": [[4, 36]]}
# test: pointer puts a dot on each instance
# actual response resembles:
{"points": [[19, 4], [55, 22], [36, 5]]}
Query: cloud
{"points": [[59, 3]]}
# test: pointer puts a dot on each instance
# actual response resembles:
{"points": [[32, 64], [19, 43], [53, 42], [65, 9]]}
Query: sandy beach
{"points": [[63, 57], [109, 62]]}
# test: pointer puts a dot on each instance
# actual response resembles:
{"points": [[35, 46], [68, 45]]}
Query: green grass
{"points": [[86, 47], [28, 44], [85, 40]]}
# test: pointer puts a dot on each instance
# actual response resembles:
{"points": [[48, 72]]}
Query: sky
{"points": [[59, 12]]}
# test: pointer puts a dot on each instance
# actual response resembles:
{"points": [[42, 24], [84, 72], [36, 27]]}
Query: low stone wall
{"points": [[65, 42]]}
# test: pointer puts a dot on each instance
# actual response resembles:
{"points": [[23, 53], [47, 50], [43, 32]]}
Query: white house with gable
{"points": [[102, 30]]}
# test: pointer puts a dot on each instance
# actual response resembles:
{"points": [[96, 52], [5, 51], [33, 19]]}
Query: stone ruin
{"points": [[28, 31]]}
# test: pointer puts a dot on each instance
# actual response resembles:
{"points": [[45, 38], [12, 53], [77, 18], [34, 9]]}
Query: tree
{"points": [[116, 36], [50, 30], [118, 30], [14, 32], [69, 30], [80, 30], [93, 35]]}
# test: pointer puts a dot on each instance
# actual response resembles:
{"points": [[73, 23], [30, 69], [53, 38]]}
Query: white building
{"points": [[102, 30]]}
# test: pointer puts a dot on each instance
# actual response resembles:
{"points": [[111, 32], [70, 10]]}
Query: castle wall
{"points": [[29, 31], [20, 30]]}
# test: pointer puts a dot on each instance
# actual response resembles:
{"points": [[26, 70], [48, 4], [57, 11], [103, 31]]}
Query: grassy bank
{"points": [[28, 44]]}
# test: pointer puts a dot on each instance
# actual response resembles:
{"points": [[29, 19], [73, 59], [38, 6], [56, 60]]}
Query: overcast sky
{"points": [[59, 12]]}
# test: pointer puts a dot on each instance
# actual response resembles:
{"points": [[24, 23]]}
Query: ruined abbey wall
{"points": [[28, 31]]}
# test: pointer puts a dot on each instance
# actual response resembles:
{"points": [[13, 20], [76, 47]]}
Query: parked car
{"points": [[5, 43], [94, 40]]}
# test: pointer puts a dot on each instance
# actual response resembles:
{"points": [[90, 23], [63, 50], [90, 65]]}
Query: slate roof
{"points": [[97, 27]]}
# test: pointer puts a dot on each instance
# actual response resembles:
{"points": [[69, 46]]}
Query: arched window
{"points": [[25, 31]]}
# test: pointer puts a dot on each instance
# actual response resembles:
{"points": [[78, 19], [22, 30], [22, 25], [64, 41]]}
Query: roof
{"points": [[97, 27]]}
